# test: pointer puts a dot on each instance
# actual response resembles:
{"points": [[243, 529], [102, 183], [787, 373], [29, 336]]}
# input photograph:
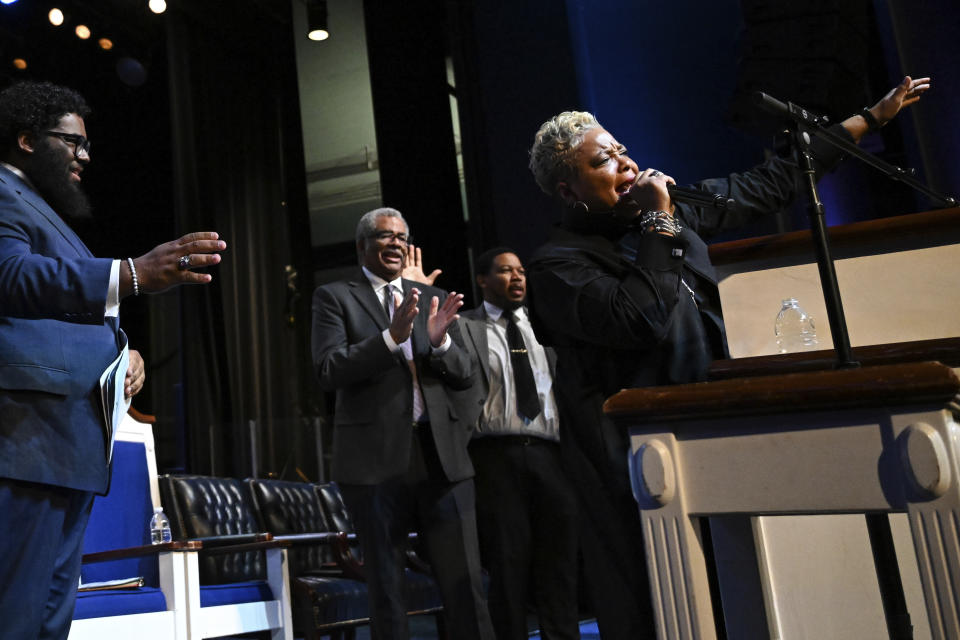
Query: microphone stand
{"points": [[821, 241], [803, 124]]}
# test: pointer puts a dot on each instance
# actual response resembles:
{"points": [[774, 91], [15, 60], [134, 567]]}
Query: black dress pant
{"points": [[444, 514], [611, 534], [527, 512]]}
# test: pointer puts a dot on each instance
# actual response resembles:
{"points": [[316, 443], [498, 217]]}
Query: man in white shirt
{"points": [[525, 505]]}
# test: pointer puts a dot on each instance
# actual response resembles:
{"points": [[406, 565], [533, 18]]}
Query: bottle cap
{"points": [[158, 509]]}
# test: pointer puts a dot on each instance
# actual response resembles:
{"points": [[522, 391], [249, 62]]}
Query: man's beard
{"points": [[52, 178]]}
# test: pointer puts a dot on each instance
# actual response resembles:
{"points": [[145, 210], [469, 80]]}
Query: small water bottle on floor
{"points": [[794, 329], [159, 527]]}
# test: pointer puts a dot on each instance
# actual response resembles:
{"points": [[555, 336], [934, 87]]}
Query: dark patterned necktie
{"points": [[528, 403], [388, 301]]}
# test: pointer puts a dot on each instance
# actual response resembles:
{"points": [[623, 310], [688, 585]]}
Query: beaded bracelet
{"points": [[660, 221], [133, 277]]}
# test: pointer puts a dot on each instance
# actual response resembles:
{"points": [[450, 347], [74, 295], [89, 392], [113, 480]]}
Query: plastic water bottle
{"points": [[794, 329], [159, 527]]}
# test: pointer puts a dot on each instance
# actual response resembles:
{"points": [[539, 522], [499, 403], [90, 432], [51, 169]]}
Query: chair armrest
{"points": [[251, 546], [339, 541], [347, 562], [212, 542], [307, 539], [241, 543], [143, 550]]}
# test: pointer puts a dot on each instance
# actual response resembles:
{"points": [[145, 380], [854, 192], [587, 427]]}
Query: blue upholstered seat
{"points": [[120, 521], [101, 604]]}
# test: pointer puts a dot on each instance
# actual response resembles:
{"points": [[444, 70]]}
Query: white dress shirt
{"points": [[500, 409], [379, 284]]}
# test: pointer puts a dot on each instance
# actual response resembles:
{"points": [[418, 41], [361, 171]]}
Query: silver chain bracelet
{"points": [[660, 221]]}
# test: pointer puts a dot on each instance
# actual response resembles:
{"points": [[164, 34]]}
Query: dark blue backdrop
{"points": [[660, 77]]}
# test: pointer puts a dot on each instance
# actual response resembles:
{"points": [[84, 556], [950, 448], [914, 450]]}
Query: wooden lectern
{"points": [[779, 454]]}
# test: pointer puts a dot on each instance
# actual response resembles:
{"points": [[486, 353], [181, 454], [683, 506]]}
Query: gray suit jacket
{"points": [[474, 325], [374, 388]]}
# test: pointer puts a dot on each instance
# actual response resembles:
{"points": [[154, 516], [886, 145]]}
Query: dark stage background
{"points": [[211, 139]]}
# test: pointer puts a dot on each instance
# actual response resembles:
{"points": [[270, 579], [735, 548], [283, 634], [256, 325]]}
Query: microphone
{"points": [[788, 110], [689, 195], [700, 198]]}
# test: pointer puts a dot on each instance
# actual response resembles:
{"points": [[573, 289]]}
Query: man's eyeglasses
{"points": [[387, 236], [80, 144]]}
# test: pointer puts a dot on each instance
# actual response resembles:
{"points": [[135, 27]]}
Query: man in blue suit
{"points": [[59, 331]]}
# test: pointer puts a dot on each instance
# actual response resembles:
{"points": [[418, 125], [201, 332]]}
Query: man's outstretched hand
{"points": [[173, 263]]}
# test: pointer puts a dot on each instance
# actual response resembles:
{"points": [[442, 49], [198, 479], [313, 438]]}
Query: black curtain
{"points": [[515, 68], [238, 377], [411, 109]]}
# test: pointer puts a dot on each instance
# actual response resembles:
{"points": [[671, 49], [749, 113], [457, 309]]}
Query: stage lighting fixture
{"points": [[82, 31], [317, 20], [55, 16], [7, 1], [19, 63], [157, 6], [105, 43]]}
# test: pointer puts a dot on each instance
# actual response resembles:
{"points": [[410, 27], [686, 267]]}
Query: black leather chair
{"points": [[244, 584], [422, 594], [329, 596]]}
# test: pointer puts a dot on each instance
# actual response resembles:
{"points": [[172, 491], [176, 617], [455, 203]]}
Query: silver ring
{"points": [[183, 263], [655, 173]]}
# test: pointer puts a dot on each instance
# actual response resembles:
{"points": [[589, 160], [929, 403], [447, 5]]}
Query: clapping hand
{"points": [[413, 267], [405, 311], [442, 316]]}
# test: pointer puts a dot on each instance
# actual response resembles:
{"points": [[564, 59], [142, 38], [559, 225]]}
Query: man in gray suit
{"points": [[525, 504], [405, 400]]}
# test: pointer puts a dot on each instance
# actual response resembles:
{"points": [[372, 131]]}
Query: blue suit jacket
{"points": [[54, 344]]}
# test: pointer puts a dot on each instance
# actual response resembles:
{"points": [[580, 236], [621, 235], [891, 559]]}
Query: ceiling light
{"points": [[19, 63], [55, 16], [105, 43], [82, 31], [157, 6], [317, 20]]}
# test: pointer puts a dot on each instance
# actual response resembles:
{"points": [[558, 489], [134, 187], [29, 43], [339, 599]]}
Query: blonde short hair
{"points": [[551, 156]]}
